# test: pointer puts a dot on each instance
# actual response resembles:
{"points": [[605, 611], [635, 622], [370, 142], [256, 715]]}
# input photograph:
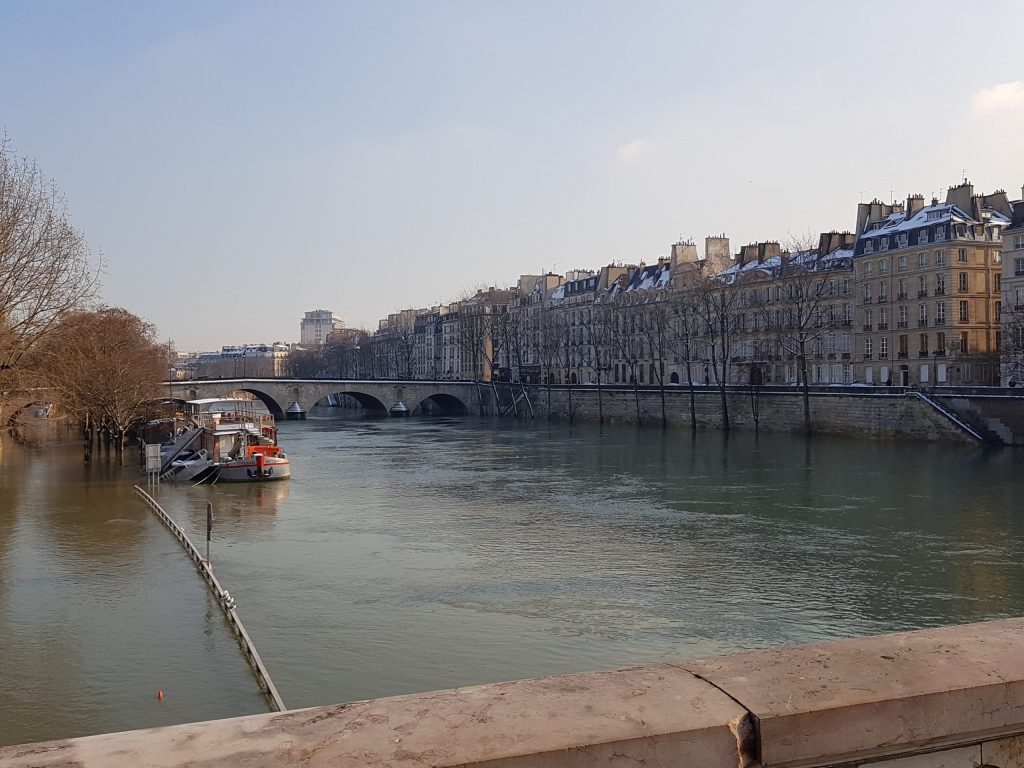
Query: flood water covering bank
{"points": [[419, 554]]}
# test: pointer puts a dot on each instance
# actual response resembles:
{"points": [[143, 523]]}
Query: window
{"points": [[964, 337], [965, 313], [883, 318], [883, 266], [962, 282], [904, 342], [998, 282], [922, 343], [868, 319], [940, 233], [883, 347], [883, 291], [922, 314], [846, 285], [1018, 267], [999, 312], [940, 343], [940, 258], [903, 316], [1018, 241], [961, 255], [883, 243], [901, 285], [940, 313], [867, 293], [940, 285], [868, 268], [903, 263], [868, 342], [903, 240], [922, 259], [922, 286]]}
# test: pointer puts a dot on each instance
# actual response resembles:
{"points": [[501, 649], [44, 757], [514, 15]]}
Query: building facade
{"points": [[316, 326]]}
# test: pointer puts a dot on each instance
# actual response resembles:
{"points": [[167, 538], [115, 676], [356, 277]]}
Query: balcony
{"points": [[845, 356], [868, 300], [939, 353], [901, 296], [883, 326], [868, 355], [940, 291], [902, 355], [922, 294], [922, 322], [867, 327], [940, 321], [923, 353], [883, 355], [901, 324]]}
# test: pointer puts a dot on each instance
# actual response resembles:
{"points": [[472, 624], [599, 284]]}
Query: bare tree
{"points": [[802, 303], [627, 344], [654, 321], [107, 366], [717, 303], [1012, 345], [46, 269], [684, 338], [597, 337], [549, 346]]}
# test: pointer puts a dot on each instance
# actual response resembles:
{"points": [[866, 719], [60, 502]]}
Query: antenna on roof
{"points": [[862, 195]]}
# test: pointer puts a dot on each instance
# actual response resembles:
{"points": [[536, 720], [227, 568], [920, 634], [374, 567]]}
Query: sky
{"points": [[238, 163]]}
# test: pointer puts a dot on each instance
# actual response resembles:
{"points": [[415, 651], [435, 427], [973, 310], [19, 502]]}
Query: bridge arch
{"points": [[441, 404], [273, 406], [368, 402]]}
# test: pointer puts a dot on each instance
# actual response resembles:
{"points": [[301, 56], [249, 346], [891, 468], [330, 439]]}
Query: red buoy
{"points": [[159, 695]]}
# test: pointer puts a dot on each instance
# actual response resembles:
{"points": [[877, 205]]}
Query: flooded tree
{"points": [[46, 269], [107, 367]]}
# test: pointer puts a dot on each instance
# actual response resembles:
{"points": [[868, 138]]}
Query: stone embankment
{"points": [[950, 697], [874, 412]]}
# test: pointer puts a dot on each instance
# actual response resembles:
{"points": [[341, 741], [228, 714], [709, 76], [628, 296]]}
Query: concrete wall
{"points": [[950, 697], [860, 412]]}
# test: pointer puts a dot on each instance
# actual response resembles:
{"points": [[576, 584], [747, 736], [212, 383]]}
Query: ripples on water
{"points": [[416, 554]]}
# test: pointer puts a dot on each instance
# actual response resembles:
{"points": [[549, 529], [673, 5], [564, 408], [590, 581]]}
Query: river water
{"points": [[409, 555]]}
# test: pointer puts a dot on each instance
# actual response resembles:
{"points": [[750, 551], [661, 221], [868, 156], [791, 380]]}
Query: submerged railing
{"points": [[224, 600]]}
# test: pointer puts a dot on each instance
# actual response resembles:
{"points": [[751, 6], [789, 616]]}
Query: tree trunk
{"points": [[636, 398], [87, 440], [806, 389], [600, 402], [570, 403], [693, 404]]}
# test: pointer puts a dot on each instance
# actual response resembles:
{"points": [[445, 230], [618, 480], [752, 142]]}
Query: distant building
{"points": [[317, 325], [929, 278], [254, 361], [1012, 340]]}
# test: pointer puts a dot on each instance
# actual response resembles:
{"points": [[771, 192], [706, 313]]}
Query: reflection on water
{"points": [[416, 554]]}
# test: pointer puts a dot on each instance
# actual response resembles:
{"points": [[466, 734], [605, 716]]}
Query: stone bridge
{"points": [[427, 397]]}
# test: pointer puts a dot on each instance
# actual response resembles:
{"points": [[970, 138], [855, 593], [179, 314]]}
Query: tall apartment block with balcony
{"points": [[930, 294]]}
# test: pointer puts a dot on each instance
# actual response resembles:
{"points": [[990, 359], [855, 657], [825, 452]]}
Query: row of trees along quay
{"points": [[100, 366], [692, 318]]}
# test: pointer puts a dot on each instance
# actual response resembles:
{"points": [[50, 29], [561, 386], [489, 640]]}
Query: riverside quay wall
{"points": [[879, 412], [950, 698]]}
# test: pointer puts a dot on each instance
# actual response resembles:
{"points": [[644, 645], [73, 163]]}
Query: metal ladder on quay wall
{"points": [[952, 417]]}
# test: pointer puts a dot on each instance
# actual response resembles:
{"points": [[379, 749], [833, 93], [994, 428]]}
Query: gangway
{"points": [[181, 444]]}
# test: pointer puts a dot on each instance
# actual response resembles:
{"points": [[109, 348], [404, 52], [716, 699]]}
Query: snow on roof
{"points": [[897, 222], [559, 292]]}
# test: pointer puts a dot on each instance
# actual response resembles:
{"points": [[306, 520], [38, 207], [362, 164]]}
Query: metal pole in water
{"points": [[209, 528]]}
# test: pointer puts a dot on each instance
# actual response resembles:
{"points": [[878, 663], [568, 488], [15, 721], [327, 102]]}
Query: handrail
{"points": [[227, 604], [949, 415]]}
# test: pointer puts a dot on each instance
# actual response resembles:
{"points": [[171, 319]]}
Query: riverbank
{"points": [[869, 412]]}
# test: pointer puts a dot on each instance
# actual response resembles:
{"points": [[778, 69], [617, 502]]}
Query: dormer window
{"points": [[869, 246], [883, 243], [903, 240], [922, 236], [933, 215], [940, 234]]}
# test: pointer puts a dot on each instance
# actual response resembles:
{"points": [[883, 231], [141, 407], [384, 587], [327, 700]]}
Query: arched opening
{"points": [[347, 404], [572, 378], [441, 405], [674, 378]]}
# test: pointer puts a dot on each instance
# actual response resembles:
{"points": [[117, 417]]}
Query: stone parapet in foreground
{"points": [[951, 697]]}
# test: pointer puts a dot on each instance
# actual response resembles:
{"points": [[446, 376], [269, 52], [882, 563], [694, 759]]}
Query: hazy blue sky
{"points": [[239, 163]]}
